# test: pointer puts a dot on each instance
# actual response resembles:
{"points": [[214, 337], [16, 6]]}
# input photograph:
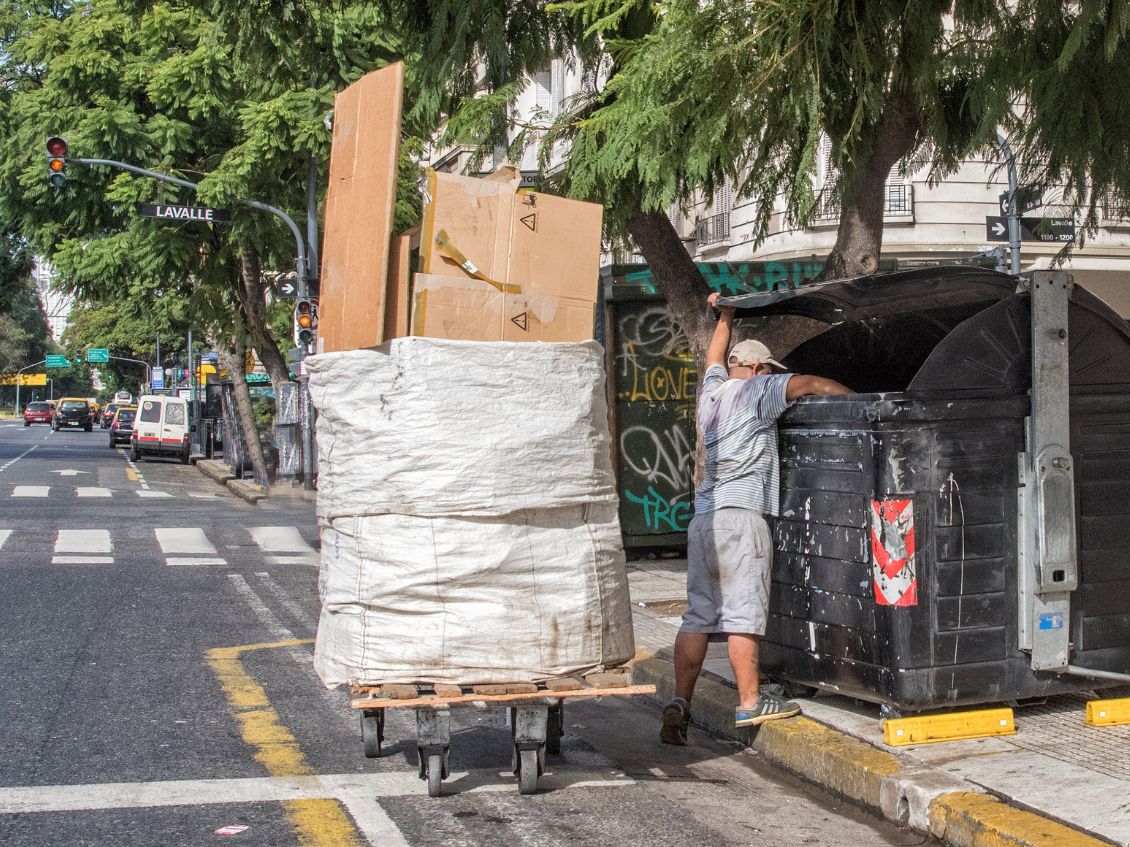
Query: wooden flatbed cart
{"points": [[537, 717]]}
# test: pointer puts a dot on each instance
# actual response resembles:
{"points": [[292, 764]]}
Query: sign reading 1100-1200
{"points": [[183, 213]]}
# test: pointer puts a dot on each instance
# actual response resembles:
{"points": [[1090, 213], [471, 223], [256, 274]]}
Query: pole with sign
{"points": [[98, 356], [19, 376]]}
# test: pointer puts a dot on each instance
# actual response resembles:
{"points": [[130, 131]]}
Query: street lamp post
{"points": [[18, 379], [50, 388]]}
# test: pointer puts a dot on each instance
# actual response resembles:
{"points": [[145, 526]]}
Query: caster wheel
{"points": [[554, 729], [528, 771], [435, 774], [372, 733]]}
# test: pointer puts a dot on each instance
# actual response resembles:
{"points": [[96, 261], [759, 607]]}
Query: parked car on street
{"points": [[38, 412], [73, 413], [121, 427]]}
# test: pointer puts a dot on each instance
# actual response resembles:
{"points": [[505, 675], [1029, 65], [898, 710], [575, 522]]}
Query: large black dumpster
{"points": [[895, 573]]}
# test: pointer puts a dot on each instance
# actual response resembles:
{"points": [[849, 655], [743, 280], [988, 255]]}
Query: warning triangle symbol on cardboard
{"points": [[531, 220], [522, 321]]}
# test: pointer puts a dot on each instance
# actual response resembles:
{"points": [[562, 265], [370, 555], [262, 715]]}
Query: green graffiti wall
{"points": [[654, 382]]}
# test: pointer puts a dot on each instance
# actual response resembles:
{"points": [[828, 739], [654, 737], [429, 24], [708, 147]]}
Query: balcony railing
{"points": [[713, 229], [898, 202]]}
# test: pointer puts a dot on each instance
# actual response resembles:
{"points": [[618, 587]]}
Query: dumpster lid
{"points": [[964, 290]]}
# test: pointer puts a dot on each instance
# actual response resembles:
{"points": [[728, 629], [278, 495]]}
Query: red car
{"points": [[37, 413]]}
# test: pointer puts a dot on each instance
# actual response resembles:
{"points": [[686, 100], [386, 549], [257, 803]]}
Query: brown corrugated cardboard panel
{"points": [[359, 208], [399, 271], [473, 310], [488, 229]]}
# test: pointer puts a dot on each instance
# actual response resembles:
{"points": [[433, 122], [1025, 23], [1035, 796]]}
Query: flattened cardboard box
{"points": [[486, 229], [359, 209], [473, 310]]}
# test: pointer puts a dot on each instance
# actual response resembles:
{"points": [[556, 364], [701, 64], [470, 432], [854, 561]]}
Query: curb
{"points": [[925, 799], [248, 491], [217, 471]]}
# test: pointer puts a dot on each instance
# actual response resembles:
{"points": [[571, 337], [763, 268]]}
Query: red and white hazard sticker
{"points": [[892, 552]]}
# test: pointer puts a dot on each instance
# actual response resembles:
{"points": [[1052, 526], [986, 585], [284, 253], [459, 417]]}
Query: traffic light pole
{"points": [[303, 271], [18, 379]]}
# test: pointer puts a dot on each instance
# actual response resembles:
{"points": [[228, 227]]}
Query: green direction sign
{"points": [[57, 362], [97, 355]]}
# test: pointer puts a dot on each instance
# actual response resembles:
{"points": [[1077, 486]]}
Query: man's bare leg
{"points": [[690, 653], [744, 661]]}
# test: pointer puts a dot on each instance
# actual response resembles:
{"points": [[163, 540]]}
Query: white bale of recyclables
{"points": [[469, 514]]}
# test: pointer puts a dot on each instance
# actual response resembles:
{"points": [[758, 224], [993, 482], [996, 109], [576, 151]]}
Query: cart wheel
{"points": [[554, 729], [435, 774], [527, 771], [373, 732]]}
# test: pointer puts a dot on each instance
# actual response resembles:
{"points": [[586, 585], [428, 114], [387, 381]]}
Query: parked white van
{"points": [[161, 427]]}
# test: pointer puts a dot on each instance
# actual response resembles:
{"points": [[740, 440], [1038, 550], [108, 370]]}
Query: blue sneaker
{"points": [[767, 708]]}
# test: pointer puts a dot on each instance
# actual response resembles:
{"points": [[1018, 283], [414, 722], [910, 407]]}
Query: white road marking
{"points": [[265, 615], [69, 472], [31, 490], [83, 547], [133, 465], [285, 541], [187, 546], [13, 461], [204, 496], [4, 533], [303, 614], [147, 493], [93, 492]]}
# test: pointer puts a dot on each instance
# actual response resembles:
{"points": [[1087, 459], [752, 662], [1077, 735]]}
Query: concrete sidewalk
{"points": [[1056, 782], [246, 489]]}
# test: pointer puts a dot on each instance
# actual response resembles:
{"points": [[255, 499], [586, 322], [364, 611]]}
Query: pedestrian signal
{"points": [[57, 161]]}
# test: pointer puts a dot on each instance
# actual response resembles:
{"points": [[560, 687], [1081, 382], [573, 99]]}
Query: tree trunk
{"points": [[677, 278], [231, 359], [859, 238], [253, 298]]}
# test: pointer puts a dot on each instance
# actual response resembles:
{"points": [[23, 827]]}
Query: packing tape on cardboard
{"points": [[443, 242]]}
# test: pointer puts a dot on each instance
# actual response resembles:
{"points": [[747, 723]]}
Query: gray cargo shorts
{"points": [[729, 556]]}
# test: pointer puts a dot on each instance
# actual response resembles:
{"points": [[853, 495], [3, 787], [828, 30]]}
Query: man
{"points": [[729, 545]]}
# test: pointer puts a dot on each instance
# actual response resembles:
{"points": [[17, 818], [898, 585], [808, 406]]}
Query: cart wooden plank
{"points": [[472, 697]]}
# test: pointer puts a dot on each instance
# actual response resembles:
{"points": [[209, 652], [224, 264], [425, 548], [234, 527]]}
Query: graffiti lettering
{"points": [[665, 458], [676, 382], [732, 278], [654, 332], [660, 513]]}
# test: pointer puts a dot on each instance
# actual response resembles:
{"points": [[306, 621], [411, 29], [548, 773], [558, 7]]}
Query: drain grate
{"points": [[1056, 729]]}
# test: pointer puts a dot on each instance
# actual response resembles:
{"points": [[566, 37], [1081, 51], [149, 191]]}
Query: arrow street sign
{"points": [[178, 214], [57, 362], [288, 288], [97, 355], [1031, 229], [1028, 197]]}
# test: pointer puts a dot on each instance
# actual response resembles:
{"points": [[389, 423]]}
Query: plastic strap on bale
{"points": [[452, 252]]}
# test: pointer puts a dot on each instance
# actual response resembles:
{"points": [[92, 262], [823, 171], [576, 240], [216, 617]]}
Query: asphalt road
{"points": [[155, 649]]}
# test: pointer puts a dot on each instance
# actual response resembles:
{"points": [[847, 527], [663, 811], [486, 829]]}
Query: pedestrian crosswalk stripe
{"points": [[151, 493], [285, 543], [93, 492], [187, 546], [4, 533], [83, 547], [31, 490]]}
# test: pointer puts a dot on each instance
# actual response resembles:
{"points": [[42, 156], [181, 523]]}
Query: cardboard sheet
{"points": [[359, 209], [503, 264]]}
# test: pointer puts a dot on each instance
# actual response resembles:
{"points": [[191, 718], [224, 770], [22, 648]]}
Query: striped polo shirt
{"points": [[738, 422]]}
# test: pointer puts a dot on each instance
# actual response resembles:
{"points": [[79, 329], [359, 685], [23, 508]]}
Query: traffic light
{"points": [[306, 323], [57, 161]]}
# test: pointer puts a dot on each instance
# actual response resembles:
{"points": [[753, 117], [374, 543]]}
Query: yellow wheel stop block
{"points": [[1108, 712], [952, 726]]}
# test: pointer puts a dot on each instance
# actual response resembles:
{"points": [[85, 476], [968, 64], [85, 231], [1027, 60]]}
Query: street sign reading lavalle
{"points": [[1031, 229], [98, 355], [179, 214]]}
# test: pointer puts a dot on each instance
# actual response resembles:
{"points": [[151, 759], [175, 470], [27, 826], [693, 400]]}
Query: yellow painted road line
{"points": [[318, 822], [131, 474]]}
